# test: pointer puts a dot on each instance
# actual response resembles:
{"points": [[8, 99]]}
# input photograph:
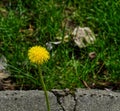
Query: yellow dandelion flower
{"points": [[38, 55]]}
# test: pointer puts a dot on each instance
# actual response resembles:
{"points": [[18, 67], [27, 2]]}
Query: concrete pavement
{"points": [[60, 100]]}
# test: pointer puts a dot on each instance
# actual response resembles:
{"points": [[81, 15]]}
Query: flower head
{"points": [[38, 54]]}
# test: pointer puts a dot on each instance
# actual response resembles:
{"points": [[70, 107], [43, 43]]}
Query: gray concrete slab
{"points": [[26, 101], [97, 100], [60, 100]]}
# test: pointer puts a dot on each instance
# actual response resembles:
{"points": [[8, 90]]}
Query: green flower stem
{"points": [[44, 87]]}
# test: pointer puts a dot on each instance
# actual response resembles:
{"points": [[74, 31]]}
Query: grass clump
{"points": [[27, 23]]}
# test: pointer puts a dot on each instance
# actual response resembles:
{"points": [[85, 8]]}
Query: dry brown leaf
{"points": [[3, 75]]}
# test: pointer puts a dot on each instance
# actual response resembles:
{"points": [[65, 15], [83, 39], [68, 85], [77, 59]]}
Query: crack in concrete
{"points": [[61, 94], [75, 99], [58, 94], [59, 102]]}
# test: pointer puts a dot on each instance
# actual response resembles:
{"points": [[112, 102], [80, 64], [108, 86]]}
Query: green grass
{"points": [[26, 23]]}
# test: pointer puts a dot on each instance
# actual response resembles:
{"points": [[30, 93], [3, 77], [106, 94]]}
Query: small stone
{"points": [[92, 55]]}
